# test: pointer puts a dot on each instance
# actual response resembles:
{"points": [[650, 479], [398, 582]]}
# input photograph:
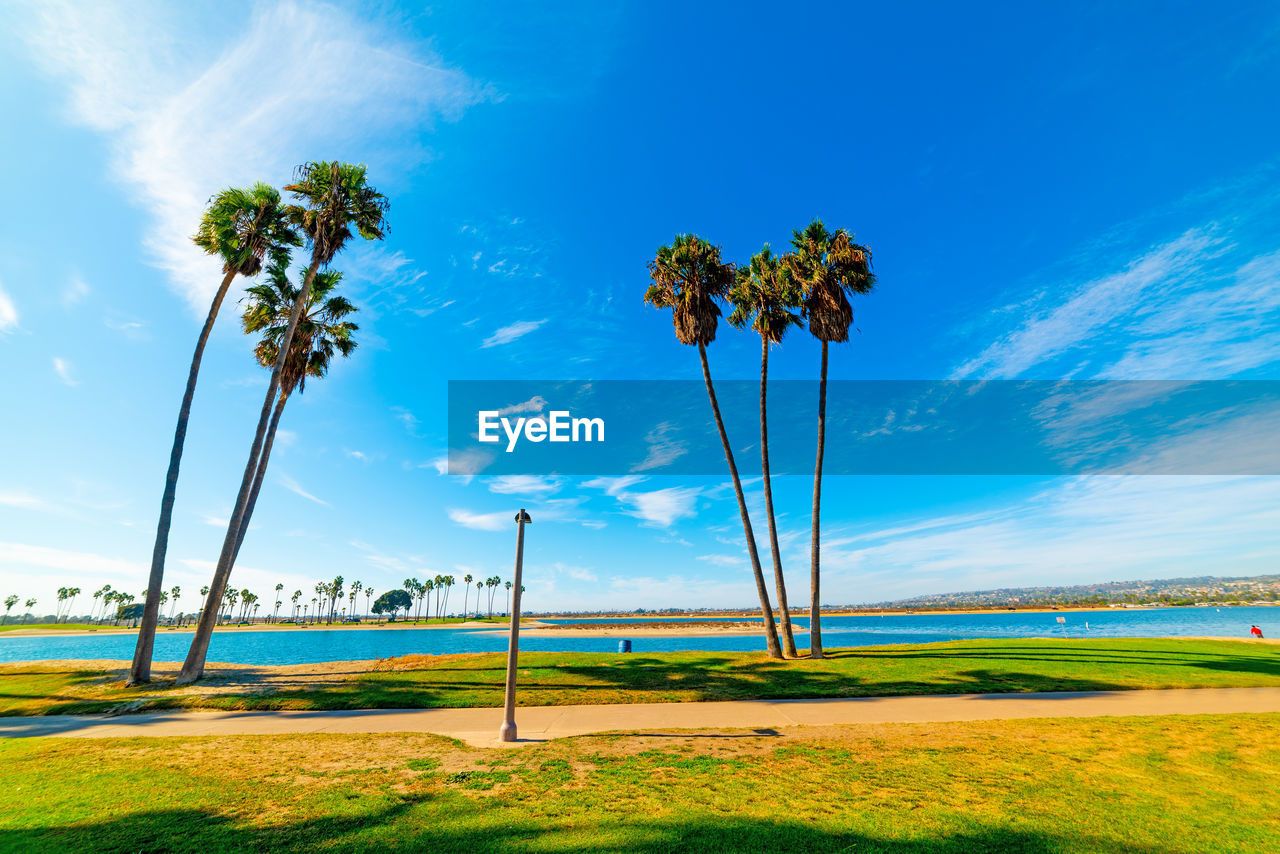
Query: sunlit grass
{"points": [[1168, 784], [452, 681]]}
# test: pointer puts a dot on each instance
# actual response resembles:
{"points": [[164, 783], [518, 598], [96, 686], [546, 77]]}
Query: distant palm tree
{"points": [[276, 612], [355, 591], [9, 602], [466, 591], [320, 333], [241, 227], [337, 202], [448, 587], [368, 595], [688, 277], [829, 267], [297, 594], [30, 603], [509, 585], [175, 592], [416, 590], [72, 593], [763, 298]]}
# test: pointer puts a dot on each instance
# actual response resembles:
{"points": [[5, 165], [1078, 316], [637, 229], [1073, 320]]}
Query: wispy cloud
{"points": [[523, 484], [657, 508], [507, 334], [294, 487], [75, 291], [185, 123], [8, 311], [62, 368], [481, 521]]}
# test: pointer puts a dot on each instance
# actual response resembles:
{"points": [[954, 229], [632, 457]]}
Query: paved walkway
{"points": [[479, 727]]}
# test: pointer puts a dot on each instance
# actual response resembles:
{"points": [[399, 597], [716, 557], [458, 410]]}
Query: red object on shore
{"points": [[1255, 631]]}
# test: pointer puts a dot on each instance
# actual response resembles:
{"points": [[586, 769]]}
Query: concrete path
{"points": [[479, 727]]}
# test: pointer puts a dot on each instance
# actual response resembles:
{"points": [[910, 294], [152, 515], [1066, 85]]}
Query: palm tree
{"points": [[829, 267], [30, 603], [335, 200], [688, 277], [368, 595], [9, 602], [276, 612], [355, 591], [297, 594], [448, 587], [175, 592], [508, 599], [763, 298], [320, 332], [241, 227], [466, 591], [416, 590]]}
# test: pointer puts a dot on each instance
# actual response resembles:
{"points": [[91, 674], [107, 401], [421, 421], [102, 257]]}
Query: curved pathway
{"points": [[479, 727]]}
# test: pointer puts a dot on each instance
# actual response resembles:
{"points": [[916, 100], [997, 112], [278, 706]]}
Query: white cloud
{"points": [[1077, 530], [8, 312], [507, 334], [293, 486], [21, 555], [184, 122], [1092, 307], [522, 484], [658, 508], [23, 500], [63, 369], [75, 291], [482, 521], [537, 403]]}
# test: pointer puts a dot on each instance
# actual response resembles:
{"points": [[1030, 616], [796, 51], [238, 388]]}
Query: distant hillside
{"points": [[1164, 591]]}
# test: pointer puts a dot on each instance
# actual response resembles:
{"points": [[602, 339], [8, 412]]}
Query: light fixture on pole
{"points": [[508, 731]]}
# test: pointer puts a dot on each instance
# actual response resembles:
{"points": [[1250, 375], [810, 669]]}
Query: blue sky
{"points": [[1073, 192]]}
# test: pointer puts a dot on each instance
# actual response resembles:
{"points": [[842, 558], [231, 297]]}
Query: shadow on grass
{"points": [[400, 827], [476, 680]]}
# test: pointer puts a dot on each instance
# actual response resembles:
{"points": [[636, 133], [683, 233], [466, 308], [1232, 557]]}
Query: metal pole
{"points": [[508, 731]]}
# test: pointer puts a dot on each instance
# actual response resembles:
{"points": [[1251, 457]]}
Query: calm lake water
{"points": [[318, 644]]}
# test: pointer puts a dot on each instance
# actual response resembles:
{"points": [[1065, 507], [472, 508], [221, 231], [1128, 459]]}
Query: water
{"points": [[318, 644]]}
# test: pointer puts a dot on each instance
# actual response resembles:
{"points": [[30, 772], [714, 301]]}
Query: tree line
{"points": [[243, 605], [771, 294]]}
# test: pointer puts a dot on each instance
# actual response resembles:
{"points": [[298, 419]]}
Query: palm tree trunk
{"points": [[788, 638], [260, 473], [770, 630], [193, 667], [815, 600], [140, 669]]}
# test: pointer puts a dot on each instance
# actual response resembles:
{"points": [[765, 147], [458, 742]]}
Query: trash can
{"points": [[624, 646]]}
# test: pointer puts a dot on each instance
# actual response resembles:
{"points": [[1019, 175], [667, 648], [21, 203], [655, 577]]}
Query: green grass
{"points": [[958, 667], [1126, 785]]}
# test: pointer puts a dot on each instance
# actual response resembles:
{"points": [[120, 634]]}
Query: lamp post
{"points": [[508, 731]]}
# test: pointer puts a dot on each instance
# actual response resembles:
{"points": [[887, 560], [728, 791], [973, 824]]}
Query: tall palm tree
{"points": [[320, 333], [175, 593], [688, 277], [9, 602], [466, 592], [337, 203], [242, 227], [763, 298], [297, 594], [829, 267], [30, 603]]}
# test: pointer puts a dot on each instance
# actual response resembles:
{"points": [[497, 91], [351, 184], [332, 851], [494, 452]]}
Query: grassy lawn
{"points": [[1133, 785], [983, 666]]}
